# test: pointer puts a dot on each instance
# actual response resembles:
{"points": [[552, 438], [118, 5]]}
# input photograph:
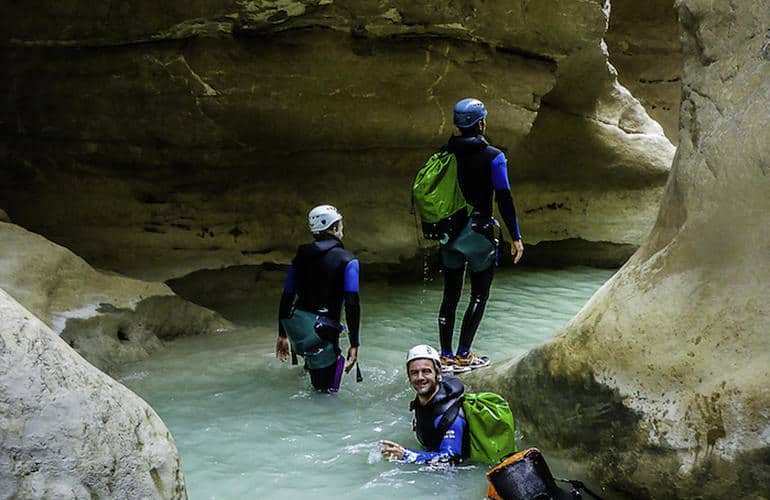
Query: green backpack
{"points": [[438, 199], [490, 425], [490, 436], [301, 328]]}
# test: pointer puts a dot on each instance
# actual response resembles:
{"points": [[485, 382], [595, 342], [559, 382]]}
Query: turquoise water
{"points": [[248, 426]]}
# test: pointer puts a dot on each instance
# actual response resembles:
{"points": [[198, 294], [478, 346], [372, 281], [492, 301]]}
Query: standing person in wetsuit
{"points": [[482, 173], [321, 277], [436, 395]]}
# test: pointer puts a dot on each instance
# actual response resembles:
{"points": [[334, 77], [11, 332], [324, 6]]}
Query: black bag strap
{"points": [[448, 418], [577, 486]]}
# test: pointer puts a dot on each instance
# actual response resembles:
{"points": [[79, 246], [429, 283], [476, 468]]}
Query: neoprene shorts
{"points": [[471, 247]]}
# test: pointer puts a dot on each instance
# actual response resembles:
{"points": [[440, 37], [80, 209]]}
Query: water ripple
{"points": [[248, 426]]}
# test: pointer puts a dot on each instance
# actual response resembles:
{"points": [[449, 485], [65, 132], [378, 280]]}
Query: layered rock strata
{"points": [[661, 384], [644, 46], [181, 137]]}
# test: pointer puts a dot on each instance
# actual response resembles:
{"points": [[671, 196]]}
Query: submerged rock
{"points": [[68, 430], [661, 384], [114, 337]]}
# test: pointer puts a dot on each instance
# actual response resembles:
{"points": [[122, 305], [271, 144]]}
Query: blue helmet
{"points": [[468, 112]]}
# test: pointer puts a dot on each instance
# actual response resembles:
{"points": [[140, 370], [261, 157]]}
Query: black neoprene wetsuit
{"points": [[482, 175], [323, 276], [446, 446]]}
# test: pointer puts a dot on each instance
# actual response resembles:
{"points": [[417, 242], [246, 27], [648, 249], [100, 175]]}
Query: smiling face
{"points": [[423, 378]]}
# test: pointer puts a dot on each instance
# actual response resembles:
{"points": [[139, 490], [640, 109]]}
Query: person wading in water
{"points": [[322, 276], [435, 394]]}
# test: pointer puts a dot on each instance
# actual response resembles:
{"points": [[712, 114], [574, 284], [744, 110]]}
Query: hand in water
{"points": [[282, 348], [391, 450], [517, 251], [351, 359]]}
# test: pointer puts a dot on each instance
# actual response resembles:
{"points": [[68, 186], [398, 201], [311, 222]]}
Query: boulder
{"points": [[660, 386], [68, 430], [109, 319]]}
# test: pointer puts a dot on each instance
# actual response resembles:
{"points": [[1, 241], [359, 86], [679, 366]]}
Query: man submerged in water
{"points": [[434, 395], [321, 277]]}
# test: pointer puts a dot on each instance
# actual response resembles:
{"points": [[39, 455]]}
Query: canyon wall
{"points": [[660, 386], [159, 139]]}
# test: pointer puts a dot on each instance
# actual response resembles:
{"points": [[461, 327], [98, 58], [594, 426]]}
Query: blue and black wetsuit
{"points": [[449, 446], [482, 173], [323, 276]]}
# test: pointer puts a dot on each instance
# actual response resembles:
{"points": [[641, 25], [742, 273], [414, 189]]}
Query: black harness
{"points": [[320, 268], [447, 403]]}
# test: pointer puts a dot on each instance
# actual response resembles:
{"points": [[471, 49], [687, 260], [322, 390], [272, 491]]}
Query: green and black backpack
{"points": [[438, 199], [490, 436]]}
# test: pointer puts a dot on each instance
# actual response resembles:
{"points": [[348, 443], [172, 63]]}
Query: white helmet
{"points": [[424, 351], [322, 217]]}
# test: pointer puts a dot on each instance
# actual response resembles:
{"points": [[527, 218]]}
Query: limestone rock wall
{"points": [[67, 430], [55, 284], [644, 46], [664, 376], [156, 140], [108, 319]]}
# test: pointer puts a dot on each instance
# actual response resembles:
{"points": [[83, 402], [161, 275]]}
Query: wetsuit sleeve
{"points": [[287, 299], [503, 196], [451, 446], [352, 302]]}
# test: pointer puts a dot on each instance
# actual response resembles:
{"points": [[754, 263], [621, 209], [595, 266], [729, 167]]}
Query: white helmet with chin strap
{"points": [[424, 351], [322, 218]]}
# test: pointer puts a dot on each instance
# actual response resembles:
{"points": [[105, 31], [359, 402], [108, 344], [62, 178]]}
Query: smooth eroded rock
{"points": [[660, 385], [109, 319], [68, 430], [199, 136]]}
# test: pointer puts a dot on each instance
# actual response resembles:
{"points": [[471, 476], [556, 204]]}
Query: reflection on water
{"points": [[248, 426]]}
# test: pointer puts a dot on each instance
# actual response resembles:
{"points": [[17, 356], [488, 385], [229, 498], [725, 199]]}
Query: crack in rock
{"points": [[436, 82]]}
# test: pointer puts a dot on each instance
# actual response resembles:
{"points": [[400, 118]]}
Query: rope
{"points": [[577, 486]]}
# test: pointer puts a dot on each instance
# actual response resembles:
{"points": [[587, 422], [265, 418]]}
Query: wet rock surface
{"points": [[660, 384]]}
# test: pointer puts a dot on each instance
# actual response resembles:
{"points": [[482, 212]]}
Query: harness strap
{"points": [[577, 486], [448, 418]]}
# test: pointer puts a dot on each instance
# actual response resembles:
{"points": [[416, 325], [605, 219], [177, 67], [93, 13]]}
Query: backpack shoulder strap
{"points": [[448, 418]]}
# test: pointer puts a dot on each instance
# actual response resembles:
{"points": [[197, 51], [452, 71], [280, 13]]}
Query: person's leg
{"points": [[481, 282], [453, 287], [338, 369], [323, 378]]}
